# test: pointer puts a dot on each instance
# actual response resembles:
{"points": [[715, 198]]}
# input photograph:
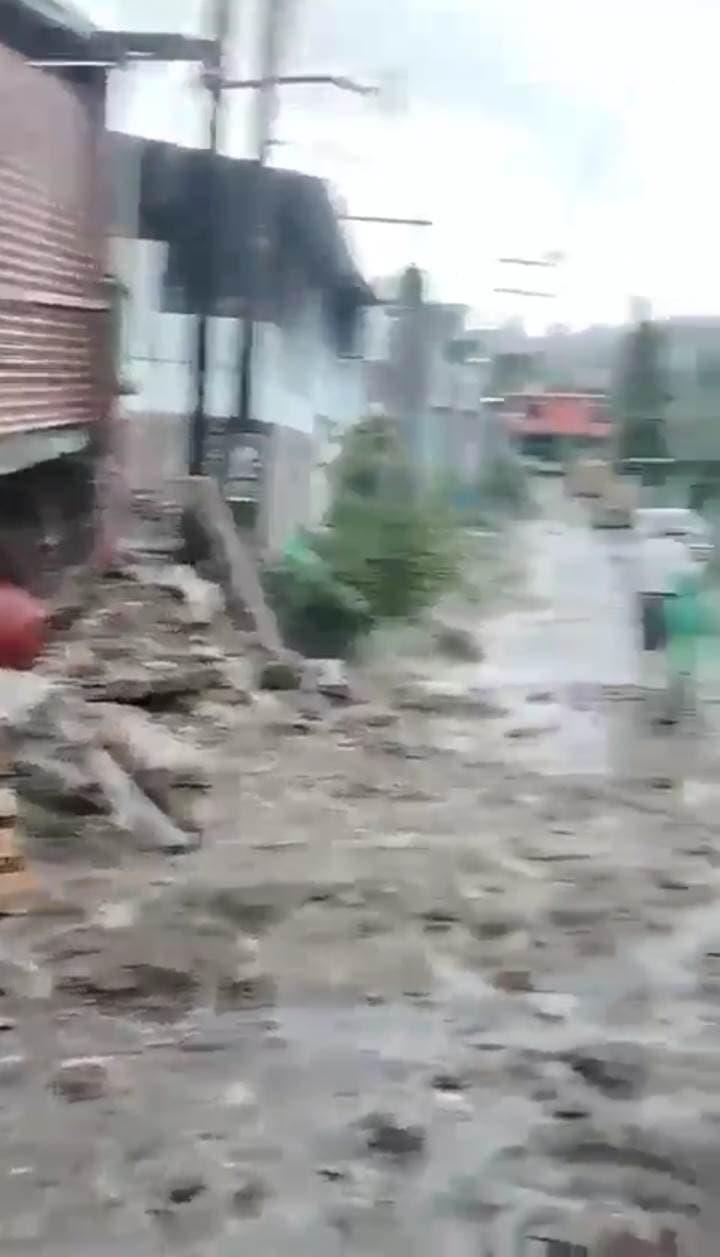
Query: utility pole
{"points": [[208, 236], [265, 107], [266, 85]]}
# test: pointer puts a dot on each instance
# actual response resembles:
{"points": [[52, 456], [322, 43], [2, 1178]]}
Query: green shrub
{"points": [[387, 550], [398, 552], [319, 615]]}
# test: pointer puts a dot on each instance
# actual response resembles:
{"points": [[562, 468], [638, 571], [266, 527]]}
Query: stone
{"points": [[238, 676], [212, 538], [154, 757], [191, 808], [156, 680], [158, 990], [23, 695], [513, 981], [202, 600], [627, 1244], [240, 1095], [279, 675], [389, 1137], [53, 777], [356, 720], [616, 1070], [134, 812], [448, 1082], [554, 1005], [523, 732], [8, 807], [249, 1196], [246, 991], [184, 1189], [22, 978], [490, 924], [13, 1069], [84, 1078], [457, 643], [79, 660], [331, 679], [447, 700]]}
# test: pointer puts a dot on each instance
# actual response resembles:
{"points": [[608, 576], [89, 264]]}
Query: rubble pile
{"points": [[112, 732], [115, 729]]}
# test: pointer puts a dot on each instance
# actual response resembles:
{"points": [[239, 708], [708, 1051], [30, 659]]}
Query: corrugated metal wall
{"points": [[53, 310]]}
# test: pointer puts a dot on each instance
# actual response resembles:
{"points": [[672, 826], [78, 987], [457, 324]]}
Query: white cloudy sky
{"points": [[586, 126]]}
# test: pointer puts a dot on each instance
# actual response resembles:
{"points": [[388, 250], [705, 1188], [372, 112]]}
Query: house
{"points": [[586, 362], [295, 281], [55, 378], [558, 425]]}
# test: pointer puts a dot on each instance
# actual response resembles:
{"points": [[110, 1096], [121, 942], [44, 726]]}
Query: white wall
{"points": [[300, 384], [299, 377]]}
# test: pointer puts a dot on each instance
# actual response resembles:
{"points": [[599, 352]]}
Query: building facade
{"points": [[304, 299], [55, 369]]}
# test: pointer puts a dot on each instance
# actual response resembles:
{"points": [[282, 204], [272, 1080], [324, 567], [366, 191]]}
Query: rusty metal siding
{"points": [[53, 308]]}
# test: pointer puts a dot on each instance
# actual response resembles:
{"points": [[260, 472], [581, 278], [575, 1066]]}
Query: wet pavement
{"points": [[437, 981]]}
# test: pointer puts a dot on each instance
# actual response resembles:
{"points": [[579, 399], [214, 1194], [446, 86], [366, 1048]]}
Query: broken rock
{"points": [[457, 643], [617, 1070], [134, 812], [390, 1137], [280, 674], [447, 700], [249, 1197], [156, 758], [85, 1078], [331, 679], [203, 601]]}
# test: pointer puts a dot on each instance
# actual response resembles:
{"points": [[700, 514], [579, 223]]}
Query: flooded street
{"points": [[444, 975]]}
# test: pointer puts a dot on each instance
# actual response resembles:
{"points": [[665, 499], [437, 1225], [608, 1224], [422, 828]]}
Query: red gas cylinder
{"points": [[22, 627]]}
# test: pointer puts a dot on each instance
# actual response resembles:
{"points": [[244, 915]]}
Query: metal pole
{"points": [[265, 104], [393, 222], [209, 210]]}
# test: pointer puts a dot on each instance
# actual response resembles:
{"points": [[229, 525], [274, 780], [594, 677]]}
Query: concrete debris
{"points": [[201, 599], [155, 681], [85, 1078], [456, 642], [447, 700], [390, 1137], [136, 814], [330, 678], [55, 777], [213, 539], [280, 674], [249, 1196], [154, 756], [22, 696], [13, 1069]]}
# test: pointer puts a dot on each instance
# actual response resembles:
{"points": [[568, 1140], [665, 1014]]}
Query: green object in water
{"points": [[687, 619]]}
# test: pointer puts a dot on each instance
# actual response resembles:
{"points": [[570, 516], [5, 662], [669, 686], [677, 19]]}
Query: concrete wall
{"points": [[300, 386]]}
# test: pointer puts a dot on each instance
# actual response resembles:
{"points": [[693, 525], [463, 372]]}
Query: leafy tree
{"points": [[642, 395]]}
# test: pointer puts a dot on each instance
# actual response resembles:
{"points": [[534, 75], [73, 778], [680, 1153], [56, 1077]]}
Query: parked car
{"points": [[677, 521]]}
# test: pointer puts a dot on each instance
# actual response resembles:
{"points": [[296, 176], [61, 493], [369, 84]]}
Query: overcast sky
{"points": [[585, 126]]}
